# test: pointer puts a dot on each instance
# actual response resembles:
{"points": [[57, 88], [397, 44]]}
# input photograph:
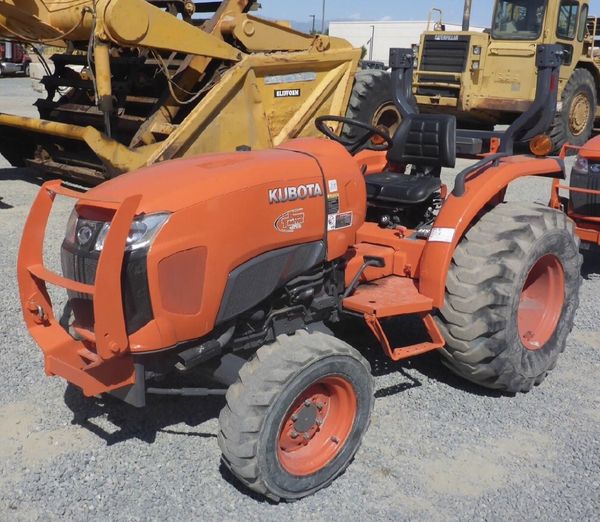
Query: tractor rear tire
{"points": [[575, 122], [511, 296], [372, 102], [296, 416]]}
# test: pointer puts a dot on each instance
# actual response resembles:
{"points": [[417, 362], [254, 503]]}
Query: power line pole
{"points": [[323, 19], [314, 17]]}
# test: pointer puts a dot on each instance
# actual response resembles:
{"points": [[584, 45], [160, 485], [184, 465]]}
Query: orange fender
{"points": [[458, 213]]}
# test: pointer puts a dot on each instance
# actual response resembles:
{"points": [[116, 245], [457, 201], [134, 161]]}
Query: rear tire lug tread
{"points": [[475, 344]]}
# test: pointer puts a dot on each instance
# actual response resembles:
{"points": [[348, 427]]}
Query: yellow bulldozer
{"points": [[487, 78], [143, 81]]}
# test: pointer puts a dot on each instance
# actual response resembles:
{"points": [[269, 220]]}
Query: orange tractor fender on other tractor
{"points": [[582, 204]]}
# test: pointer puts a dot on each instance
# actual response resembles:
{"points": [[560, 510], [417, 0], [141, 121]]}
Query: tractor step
{"points": [[388, 297], [405, 352]]}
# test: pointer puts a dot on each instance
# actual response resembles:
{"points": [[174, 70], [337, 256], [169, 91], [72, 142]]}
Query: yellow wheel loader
{"points": [[143, 81], [487, 78]]}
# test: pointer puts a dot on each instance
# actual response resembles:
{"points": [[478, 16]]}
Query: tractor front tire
{"points": [[511, 296], [296, 416], [372, 102], [575, 122]]}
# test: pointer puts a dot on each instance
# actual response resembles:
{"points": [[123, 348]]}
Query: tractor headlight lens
{"points": [[475, 65], [141, 234], [581, 165], [477, 50]]}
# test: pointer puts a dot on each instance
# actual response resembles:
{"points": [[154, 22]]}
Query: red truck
{"points": [[13, 59]]}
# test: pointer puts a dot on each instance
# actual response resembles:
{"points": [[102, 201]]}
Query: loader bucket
{"points": [[185, 86]]}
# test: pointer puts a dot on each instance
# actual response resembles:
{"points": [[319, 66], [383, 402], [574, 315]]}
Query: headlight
{"points": [[581, 165], [477, 50], [143, 230], [475, 65]]}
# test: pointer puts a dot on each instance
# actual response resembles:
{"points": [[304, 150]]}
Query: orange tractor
{"points": [[236, 263]]}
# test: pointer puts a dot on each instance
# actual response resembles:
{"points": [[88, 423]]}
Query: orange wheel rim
{"points": [[541, 304], [317, 426]]}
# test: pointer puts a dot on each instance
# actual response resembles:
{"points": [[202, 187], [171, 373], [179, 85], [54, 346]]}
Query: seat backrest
{"points": [[427, 140]]}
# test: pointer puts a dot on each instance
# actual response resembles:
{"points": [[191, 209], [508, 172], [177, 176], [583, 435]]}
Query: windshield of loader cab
{"points": [[518, 19]]}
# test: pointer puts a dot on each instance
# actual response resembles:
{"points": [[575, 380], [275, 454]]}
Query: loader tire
{"points": [[575, 122], [511, 295], [296, 416], [372, 102]]}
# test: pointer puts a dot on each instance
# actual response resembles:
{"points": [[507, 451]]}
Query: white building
{"points": [[379, 36]]}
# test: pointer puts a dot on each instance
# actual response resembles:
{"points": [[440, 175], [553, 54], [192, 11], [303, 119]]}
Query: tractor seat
{"points": [[427, 141], [390, 188]]}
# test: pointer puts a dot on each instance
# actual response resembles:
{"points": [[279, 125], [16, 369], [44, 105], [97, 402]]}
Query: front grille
{"points": [[445, 53], [81, 265]]}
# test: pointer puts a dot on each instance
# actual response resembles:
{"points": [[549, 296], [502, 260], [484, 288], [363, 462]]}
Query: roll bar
{"points": [[402, 63], [535, 120]]}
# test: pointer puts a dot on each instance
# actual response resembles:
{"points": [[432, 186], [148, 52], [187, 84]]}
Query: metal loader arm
{"points": [[128, 23], [36, 21], [136, 23]]}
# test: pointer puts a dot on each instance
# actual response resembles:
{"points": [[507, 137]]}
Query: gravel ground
{"points": [[437, 449]]}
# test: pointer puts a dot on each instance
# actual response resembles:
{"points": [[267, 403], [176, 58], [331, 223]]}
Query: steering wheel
{"points": [[354, 146]]}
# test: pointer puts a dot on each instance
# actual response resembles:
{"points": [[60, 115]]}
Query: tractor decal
{"points": [[288, 93], [290, 221], [285, 194]]}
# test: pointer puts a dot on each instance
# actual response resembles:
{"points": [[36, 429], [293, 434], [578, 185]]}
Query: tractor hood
{"points": [[178, 184]]}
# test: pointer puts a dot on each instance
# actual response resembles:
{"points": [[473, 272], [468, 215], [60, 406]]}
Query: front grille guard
{"points": [[100, 360]]}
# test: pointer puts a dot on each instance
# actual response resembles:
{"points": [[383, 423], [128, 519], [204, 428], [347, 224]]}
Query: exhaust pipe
{"points": [[467, 15]]}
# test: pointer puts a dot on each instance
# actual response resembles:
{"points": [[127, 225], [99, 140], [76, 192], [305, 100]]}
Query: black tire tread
{"points": [[559, 133], [478, 290], [368, 83]]}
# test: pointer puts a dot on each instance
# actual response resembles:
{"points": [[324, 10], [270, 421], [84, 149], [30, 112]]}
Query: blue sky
{"points": [[300, 10]]}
